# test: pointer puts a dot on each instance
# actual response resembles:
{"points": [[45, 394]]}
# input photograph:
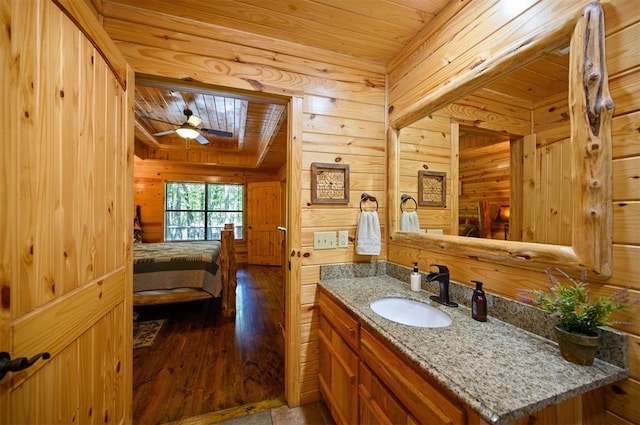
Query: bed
{"points": [[173, 272]]}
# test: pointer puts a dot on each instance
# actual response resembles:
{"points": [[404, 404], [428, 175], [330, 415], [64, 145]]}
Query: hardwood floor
{"points": [[201, 362]]}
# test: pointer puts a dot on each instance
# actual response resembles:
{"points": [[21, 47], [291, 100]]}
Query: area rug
{"points": [[144, 333]]}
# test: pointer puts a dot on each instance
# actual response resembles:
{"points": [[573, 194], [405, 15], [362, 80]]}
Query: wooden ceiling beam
{"points": [[270, 131], [147, 138], [208, 89], [240, 122]]}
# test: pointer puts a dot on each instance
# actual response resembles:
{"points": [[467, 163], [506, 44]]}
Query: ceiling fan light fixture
{"points": [[187, 132]]}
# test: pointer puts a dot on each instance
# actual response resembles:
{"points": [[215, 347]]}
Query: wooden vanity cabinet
{"points": [[423, 399], [363, 381], [339, 337], [366, 380]]}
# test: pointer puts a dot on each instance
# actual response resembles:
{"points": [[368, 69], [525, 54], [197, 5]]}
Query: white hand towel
{"points": [[409, 221], [368, 241]]}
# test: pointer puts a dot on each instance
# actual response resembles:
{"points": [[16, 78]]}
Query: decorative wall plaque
{"points": [[329, 183], [431, 188]]}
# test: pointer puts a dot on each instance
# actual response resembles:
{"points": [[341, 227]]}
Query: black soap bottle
{"points": [[479, 303]]}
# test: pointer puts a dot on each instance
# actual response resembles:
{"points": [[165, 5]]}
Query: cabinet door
{"points": [[425, 400], [377, 405], [338, 374]]}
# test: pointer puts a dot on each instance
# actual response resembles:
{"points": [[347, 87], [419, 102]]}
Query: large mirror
{"points": [[525, 160], [512, 171]]}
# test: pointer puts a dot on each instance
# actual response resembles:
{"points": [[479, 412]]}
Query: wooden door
{"points": [[264, 208], [66, 172], [546, 180]]}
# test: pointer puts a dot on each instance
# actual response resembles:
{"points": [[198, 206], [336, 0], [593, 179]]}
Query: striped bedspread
{"points": [[172, 265]]}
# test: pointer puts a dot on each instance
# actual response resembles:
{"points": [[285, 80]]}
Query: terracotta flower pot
{"points": [[577, 348]]}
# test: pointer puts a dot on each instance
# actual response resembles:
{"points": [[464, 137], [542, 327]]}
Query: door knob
{"points": [[15, 365]]}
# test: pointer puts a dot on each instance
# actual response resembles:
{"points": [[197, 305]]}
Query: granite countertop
{"points": [[498, 370]]}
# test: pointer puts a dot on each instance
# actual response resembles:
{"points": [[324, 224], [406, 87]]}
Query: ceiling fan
{"points": [[190, 130]]}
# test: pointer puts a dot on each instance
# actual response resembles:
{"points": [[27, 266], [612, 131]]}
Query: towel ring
{"points": [[404, 198], [366, 197]]}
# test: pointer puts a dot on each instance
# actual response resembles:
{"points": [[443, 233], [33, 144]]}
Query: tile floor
{"points": [[310, 414]]}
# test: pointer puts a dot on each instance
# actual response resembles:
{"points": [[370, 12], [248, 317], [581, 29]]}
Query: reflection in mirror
{"points": [[588, 151], [513, 140], [409, 220]]}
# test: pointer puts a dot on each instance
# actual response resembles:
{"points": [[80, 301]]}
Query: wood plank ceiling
{"points": [[372, 31], [369, 30], [253, 126]]}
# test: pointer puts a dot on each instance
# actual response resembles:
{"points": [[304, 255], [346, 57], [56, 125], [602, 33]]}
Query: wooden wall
{"points": [[414, 73], [342, 121], [150, 176]]}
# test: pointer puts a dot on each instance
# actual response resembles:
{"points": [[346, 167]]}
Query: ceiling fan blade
{"points": [[162, 133], [217, 132], [156, 119], [194, 121], [202, 140]]}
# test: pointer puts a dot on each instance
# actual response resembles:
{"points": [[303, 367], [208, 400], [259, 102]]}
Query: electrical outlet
{"points": [[343, 239], [324, 240]]}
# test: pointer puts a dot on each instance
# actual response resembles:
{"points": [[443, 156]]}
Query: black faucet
{"points": [[442, 276]]}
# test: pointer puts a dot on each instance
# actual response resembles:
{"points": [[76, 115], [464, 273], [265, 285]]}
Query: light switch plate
{"points": [[343, 239], [324, 240]]}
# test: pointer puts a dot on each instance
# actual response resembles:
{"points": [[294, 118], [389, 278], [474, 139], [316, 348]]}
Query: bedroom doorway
{"points": [[190, 318]]}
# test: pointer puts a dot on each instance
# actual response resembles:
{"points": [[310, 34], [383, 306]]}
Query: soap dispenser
{"points": [[479, 303], [415, 278]]}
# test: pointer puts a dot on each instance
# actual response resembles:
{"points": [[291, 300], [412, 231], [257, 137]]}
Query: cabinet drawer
{"points": [[423, 399], [342, 321]]}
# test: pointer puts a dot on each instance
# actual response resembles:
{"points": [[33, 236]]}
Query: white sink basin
{"points": [[409, 312]]}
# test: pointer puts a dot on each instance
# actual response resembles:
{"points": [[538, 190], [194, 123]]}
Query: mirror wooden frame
{"points": [[591, 110]]}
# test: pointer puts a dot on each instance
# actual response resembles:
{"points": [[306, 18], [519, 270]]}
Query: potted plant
{"points": [[578, 315]]}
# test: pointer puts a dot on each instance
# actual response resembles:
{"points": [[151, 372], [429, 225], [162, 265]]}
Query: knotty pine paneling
{"points": [[309, 275], [309, 331], [480, 109], [625, 135], [626, 178], [455, 49], [627, 261], [551, 118], [66, 181], [418, 74]]}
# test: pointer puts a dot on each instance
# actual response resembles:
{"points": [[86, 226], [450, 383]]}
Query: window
{"points": [[199, 211]]}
